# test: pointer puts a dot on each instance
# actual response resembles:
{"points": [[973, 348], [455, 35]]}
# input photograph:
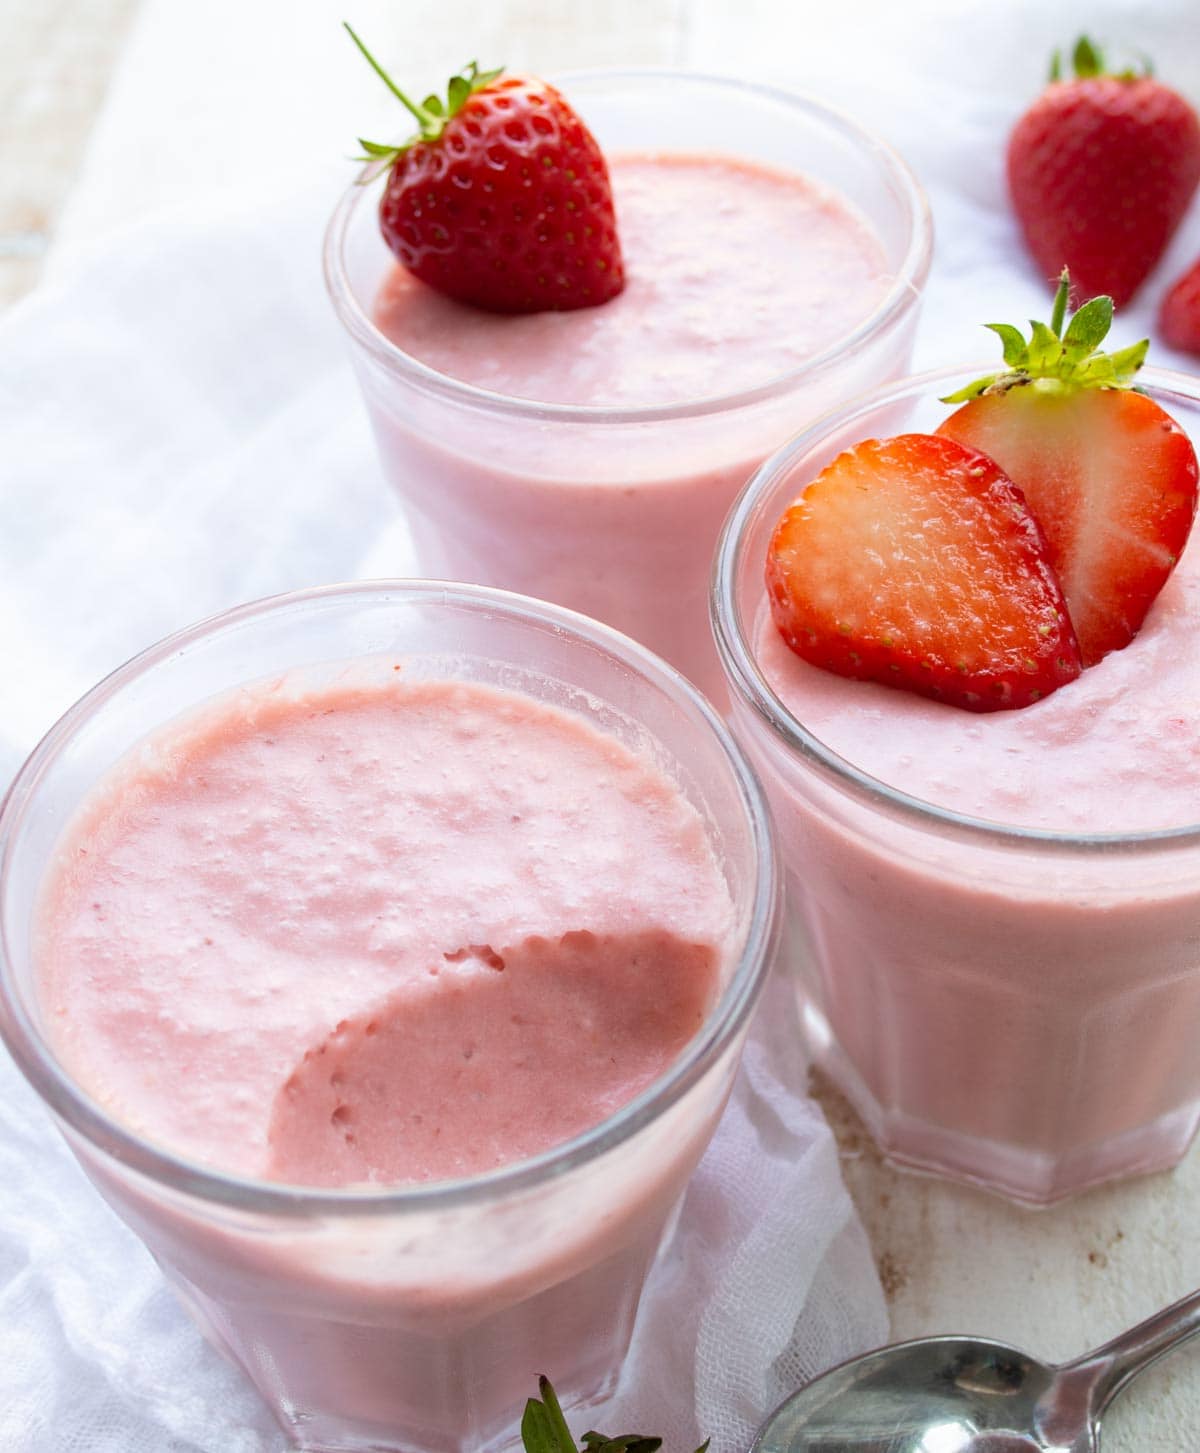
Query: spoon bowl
{"points": [[969, 1395], [934, 1395]]}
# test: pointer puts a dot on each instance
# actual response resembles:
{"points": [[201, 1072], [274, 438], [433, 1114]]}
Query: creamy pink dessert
{"points": [[736, 274], [339, 933], [1018, 1007], [372, 932], [378, 934], [1115, 751], [1032, 1026], [598, 470]]}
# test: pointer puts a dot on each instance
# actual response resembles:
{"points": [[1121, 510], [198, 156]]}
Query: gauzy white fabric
{"points": [[181, 432]]}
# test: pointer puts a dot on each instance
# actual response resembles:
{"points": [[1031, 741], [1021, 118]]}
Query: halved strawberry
{"points": [[915, 563], [1109, 474]]}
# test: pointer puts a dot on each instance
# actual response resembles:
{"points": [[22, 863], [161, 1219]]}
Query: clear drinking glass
{"points": [[1012, 1007], [615, 511], [418, 1317]]}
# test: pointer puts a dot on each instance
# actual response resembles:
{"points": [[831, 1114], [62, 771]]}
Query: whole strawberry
{"points": [[1179, 314], [1101, 169], [502, 199]]}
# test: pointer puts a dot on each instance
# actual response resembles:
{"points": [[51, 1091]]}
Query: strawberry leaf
{"points": [[544, 1430], [555, 1414], [973, 390], [1015, 352], [1057, 361], [538, 1431], [377, 157], [1088, 328], [1045, 348], [1127, 361], [374, 149], [460, 89], [1099, 372], [1086, 59]]}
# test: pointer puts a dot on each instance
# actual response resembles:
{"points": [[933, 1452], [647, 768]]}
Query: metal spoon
{"points": [[969, 1395]]}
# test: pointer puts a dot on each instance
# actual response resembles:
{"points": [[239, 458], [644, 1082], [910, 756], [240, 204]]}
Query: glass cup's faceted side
{"points": [[614, 512], [412, 1317], [1007, 1006]]}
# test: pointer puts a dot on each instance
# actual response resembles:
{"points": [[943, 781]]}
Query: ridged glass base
{"points": [[1036, 1178]]}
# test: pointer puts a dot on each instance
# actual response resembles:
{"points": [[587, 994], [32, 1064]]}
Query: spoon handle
{"points": [[1110, 1368]]}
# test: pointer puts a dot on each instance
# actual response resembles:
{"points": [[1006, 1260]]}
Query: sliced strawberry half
{"points": [[1109, 474], [914, 562]]}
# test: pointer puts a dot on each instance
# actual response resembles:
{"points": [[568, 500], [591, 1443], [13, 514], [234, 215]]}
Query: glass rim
{"points": [[750, 686], [72, 1104], [903, 294]]}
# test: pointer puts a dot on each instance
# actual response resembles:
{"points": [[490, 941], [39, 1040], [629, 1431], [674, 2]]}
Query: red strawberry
{"points": [[502, 199], [915, 563], [1179, 315], [1109, 474], [1101, 169]]}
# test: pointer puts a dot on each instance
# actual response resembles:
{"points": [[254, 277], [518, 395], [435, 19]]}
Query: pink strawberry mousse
{"points": [[1114, 751], [1022, 1015], [738, 277], [378, 933]]}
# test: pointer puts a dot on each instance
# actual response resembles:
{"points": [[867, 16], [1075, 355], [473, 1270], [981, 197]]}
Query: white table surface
{"points": [[218, 100]]}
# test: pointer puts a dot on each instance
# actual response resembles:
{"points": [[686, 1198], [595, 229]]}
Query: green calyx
{"points": [[431, 114], [1055, 361], [544, 1430], [1087, 62]]}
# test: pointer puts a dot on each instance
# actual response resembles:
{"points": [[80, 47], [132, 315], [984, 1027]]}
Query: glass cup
{"points": [[615, 511], [414, 1317], [1015, 1008]]}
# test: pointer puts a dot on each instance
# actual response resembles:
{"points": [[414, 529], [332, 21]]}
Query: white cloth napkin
{"points": [[181, 432]]}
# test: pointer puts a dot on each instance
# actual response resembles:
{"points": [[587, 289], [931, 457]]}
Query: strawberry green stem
{"points": [[1060, 303], [432, 114], [430, 124]]}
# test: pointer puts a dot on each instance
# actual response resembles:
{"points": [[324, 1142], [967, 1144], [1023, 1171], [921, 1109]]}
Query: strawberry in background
{"points": [[1101, 169], [1179, 314]]}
